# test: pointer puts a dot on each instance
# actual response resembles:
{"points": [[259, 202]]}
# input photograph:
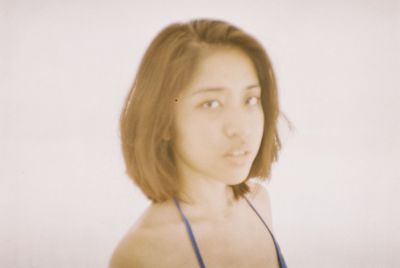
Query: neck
{"points": [[207, 199]]}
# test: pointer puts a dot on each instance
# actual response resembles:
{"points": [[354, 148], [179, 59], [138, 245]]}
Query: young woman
{"points": [[199, 124]]}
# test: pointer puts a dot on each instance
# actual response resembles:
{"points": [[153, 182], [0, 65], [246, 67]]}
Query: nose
{"points": [[236, 125]]}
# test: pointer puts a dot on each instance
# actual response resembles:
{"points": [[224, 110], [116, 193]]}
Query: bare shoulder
{"points": [[146, 240], [260, 198], [132, 250]]}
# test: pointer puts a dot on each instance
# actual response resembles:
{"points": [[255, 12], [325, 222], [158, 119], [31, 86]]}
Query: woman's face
{"points": [[219, 119]]}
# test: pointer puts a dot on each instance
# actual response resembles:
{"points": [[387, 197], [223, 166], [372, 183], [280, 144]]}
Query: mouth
{"points": [[238, 157]]}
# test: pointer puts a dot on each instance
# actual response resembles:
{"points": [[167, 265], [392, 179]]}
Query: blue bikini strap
{"points": [[281, 260], [192, 239]]}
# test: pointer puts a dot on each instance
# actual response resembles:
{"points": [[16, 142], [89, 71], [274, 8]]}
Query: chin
{"points": [[236, 178]]}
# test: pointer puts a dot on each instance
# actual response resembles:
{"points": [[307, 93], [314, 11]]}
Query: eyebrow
{"points": [[219, 89]]}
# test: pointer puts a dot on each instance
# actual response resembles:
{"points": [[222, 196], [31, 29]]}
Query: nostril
{"points": [[239, 131]]}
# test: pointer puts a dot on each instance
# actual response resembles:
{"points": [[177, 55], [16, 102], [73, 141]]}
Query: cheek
{"points": [[198, 137], [256, 122], [185, 126], [197, 130], [257, 131], [260, 123]]}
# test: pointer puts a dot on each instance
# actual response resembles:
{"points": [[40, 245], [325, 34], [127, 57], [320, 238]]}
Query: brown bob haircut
{"points": [[147, 119]]}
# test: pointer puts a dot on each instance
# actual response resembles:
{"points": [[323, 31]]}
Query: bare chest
{"points": [[241, 243]]}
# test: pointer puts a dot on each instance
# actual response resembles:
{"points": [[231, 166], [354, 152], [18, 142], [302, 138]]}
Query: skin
{"points": [[209, 124], [219, 111]]}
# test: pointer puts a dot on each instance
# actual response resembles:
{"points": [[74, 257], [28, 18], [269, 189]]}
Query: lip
{"points": [[238, 157]]}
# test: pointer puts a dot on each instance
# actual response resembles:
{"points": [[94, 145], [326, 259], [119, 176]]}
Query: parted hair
{"points": [[147, 119]]}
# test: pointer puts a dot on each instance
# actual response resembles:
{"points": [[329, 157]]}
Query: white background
{"points": [[66, 67]]}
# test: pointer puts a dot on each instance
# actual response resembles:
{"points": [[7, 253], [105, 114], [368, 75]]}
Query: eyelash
{"points": [[257, 98], [203, 105]]}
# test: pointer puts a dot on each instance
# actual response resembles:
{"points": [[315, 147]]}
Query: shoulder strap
{"points": [[281, 260], [191, 235]]}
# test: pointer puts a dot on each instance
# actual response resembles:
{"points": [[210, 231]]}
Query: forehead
{"points": [[225, 68]]}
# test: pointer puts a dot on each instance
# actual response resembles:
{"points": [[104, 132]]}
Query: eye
{"points": [[254, 100], [212, 104]]}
